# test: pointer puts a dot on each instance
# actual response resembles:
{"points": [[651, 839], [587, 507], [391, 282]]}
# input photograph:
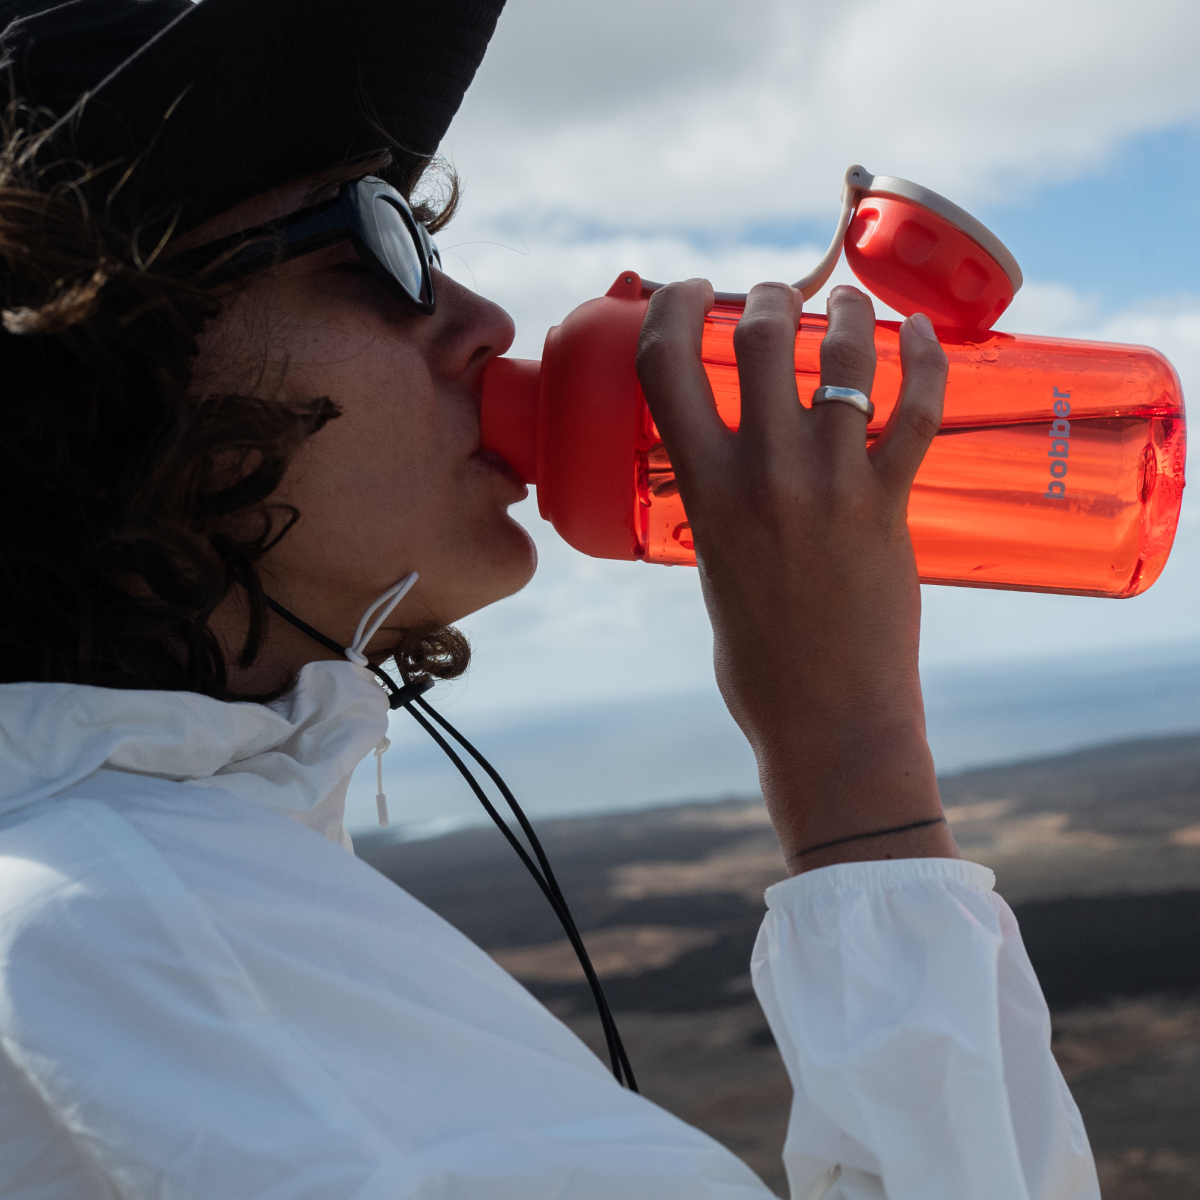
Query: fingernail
{"points": [[922, 325]]}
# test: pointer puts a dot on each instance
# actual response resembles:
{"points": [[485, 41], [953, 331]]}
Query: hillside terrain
{"points": [[1098, 851]]}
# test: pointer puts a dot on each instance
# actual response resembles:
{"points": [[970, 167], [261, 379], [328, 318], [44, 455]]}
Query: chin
{"points": [[519, 559], [504, 561]]}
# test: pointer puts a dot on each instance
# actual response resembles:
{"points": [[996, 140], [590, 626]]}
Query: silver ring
{"points": [[851, 396]]}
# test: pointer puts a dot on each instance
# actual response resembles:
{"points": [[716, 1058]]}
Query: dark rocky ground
{"points": [[1098, 851]]}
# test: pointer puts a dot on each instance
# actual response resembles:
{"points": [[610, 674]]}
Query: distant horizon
{"points": [[608, 756], [397, 833]]}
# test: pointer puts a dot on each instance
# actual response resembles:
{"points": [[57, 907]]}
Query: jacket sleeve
{"points": [[917, 1040]]}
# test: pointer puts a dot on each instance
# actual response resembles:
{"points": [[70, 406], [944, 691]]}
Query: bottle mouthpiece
{"points": [[508, 414]]}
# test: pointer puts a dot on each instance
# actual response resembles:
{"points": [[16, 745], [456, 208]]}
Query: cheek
{"points": [[387, 476], [386, 450]]}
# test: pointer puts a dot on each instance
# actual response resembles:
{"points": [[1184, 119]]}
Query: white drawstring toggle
{"points": [[364, 633], [381, 610], [380, 799]]}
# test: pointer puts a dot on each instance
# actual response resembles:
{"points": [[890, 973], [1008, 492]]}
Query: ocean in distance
{"points": [[610, 757]]}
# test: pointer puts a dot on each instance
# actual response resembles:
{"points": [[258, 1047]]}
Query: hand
{"points": [[806, 563]]}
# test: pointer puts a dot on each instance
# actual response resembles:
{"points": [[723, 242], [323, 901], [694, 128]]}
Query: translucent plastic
{"points": [[1014, 492]]}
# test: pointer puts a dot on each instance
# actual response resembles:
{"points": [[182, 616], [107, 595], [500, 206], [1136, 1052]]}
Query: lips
{"points": [[493, 460]]}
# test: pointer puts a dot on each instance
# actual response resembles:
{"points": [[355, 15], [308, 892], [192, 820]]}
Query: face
{"points": [[397, 483]]}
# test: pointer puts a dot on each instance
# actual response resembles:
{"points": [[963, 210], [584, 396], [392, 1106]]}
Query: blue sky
{"points": [[683, 137], [1126, 232]]}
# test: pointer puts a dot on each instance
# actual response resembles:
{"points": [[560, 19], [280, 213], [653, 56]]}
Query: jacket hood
{"points": [[295, 756]]}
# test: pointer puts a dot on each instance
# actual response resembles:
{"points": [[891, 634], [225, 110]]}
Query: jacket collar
{"points": [[294, 756]]}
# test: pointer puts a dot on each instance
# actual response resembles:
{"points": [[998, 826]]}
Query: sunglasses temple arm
{"points": [[306, 230], [817, 278]]}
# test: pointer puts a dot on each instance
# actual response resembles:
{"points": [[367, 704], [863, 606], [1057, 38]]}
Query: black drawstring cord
{"points": [[390, 686], [405, 697], [547, 882]]}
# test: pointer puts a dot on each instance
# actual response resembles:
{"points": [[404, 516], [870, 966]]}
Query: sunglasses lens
{"points": [[398, 247]]}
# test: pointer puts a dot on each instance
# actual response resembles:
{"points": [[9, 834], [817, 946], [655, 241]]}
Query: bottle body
{"points": [[1058, 467]]}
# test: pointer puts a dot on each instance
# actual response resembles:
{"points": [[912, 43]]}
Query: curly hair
{"points": [[133, 505]]}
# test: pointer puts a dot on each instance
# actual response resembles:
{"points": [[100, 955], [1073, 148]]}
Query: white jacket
{"points": [[203, 1000]]}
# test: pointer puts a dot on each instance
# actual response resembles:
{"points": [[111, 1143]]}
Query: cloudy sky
{"points": [[699, 137]]}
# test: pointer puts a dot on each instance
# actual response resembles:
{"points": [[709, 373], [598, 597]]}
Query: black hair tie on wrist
{"points": [[858, 837]]}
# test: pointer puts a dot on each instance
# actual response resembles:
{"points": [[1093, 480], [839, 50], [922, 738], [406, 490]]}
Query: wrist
{"points": [[928, 838], [851, 793]]}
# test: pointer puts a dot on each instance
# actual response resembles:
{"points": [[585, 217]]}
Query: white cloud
{"points": [[538, 280], [649, 136], [1053, 309], [694, 114]]}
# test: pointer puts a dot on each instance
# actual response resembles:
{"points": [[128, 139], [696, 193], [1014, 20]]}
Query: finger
{"points": [[917, 417], [671, 373], [764, 344], [847, 351]]}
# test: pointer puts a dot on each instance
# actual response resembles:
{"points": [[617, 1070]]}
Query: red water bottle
{"points": [[1058, 467]]}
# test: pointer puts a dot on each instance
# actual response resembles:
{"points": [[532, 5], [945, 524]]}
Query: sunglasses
{"points": [[392, 244]]}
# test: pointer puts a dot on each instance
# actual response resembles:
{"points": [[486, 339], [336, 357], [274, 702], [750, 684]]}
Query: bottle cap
{"points": [[919, 252]]}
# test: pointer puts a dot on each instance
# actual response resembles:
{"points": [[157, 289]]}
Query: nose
{"points": [[470, 329]]}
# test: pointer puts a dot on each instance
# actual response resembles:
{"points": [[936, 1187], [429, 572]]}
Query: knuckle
{"points": [[924, 423], [658, 355], [763, 333], [930, 356], [847, 356]]}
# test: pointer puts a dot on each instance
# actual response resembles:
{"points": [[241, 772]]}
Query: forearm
{"points": [[903, 1004]]}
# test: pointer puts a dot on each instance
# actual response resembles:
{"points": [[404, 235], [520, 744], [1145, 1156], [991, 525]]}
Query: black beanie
{"points": [[220, 100]]}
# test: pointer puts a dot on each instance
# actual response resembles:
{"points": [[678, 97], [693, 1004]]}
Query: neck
{"points": [[301, 642], [282, 652]]}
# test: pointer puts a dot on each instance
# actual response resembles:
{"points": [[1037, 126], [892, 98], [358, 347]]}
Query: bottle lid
{"points": [[919, 252], [923, 197]]}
